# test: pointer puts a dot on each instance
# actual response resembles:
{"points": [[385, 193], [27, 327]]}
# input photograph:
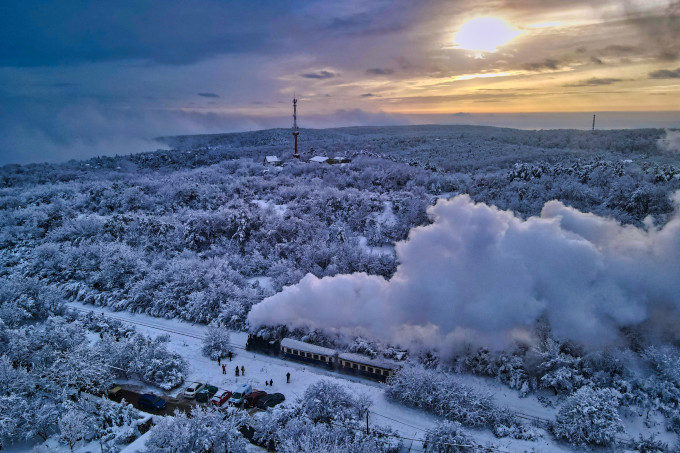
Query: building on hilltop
{"points": [[272, 160]]}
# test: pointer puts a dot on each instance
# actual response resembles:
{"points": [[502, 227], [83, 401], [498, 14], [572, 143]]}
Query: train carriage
{"points": [[308, 353], [365, 366]]}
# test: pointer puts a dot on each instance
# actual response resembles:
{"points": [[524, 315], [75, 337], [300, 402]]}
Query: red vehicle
{"points": [[254, 397], [220, 397]]}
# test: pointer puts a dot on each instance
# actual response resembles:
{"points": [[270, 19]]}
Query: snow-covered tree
{"points": [[589, 417], [326, 401], [216, 343], [207, 430], [448, 437], [73, 426]]}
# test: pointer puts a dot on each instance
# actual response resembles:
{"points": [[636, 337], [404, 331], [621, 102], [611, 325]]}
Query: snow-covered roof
{"points": [[306, 347], [319, 159], [365, 360], [272, 159]]}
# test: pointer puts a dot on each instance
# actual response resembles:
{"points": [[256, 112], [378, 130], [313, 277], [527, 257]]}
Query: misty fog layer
{"points": [[481, 275]]}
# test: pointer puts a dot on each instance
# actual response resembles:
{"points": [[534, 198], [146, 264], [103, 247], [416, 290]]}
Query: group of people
{"points": [[243, 371], [224, 367]]}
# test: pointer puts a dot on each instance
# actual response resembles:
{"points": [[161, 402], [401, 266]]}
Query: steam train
{"points": [[344, 362]]}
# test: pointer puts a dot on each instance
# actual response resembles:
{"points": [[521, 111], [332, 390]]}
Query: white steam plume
{"points": [[483, 276]]}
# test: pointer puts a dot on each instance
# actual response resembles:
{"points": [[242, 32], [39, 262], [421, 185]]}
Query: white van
{"points": [[239, 394]]}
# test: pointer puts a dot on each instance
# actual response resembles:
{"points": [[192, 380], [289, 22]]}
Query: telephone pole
{"points": [[593, 122]]}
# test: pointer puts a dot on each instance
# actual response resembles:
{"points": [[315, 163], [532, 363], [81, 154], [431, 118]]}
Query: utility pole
{"points": [[593, 123], [296, 131]]}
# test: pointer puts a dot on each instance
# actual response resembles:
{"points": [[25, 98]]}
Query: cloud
{"points": [[594, 81], [478, 275], [665, 74], [209, 95], [548, 63], [368, 95], [380, 71], [596, 60], [319, 75]]}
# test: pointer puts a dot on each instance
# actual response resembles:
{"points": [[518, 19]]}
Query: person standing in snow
{"points": [[271, 382], [243, 370], [230, 356], [224, 369], [236, 370], [288, 378]]}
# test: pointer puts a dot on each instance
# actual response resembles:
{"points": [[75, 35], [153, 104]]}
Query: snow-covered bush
{"points": [[216, 343], [206, 430], [326, 401], [650, 445], [157, 365], [589, 417], [443, 394], [448, 437]]}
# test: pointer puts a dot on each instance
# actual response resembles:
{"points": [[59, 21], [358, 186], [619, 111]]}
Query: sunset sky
{"points": [[82, 78]]}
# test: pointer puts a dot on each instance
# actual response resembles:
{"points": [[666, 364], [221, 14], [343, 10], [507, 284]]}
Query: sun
{"points": [[484, 34]]}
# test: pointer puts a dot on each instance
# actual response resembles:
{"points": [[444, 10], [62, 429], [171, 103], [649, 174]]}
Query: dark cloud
{"points": [[209, 95], [592, 82], [548, 63], [665, 74], [380, 71], [596, 60], [368, 95], [319, 75], [168, 31], [617, 50], [661, 31]]}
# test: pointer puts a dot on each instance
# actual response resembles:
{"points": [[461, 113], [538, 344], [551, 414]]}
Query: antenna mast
{"points": [[593, 122], [296, 131]]}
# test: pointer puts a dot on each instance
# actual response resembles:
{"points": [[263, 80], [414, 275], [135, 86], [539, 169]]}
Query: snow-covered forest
{"points": [[203, 231]]}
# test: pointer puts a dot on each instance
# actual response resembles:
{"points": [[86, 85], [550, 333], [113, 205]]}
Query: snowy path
{"points": [[186, 338]]}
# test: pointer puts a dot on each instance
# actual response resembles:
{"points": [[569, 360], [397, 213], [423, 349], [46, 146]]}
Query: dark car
{"points": [[271, 400], [254, 397], [207, 392], [151, 402]]}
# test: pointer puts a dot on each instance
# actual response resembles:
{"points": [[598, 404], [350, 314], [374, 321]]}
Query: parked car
{"points": [[253, 397], [238, 396], [207, 392], [193, 389], [271, 400], [151, 402], [221, 397]]}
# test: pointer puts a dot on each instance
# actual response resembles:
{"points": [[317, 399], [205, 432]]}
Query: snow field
{"points": [[185, 339]]}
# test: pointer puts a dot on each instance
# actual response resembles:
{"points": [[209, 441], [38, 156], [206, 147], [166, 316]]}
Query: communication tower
{"points": [[296, 131]]}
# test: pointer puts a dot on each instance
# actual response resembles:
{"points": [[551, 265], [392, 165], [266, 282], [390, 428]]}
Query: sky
{"points": [[82, 78]]}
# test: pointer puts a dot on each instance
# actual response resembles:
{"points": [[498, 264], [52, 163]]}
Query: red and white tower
{"points": [[296, 131]]}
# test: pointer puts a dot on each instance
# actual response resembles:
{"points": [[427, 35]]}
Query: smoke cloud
{"points": [[671, 141], [478, 275]]}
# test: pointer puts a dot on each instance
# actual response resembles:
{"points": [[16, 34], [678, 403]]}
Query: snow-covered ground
{"points": [[407, 422]]}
